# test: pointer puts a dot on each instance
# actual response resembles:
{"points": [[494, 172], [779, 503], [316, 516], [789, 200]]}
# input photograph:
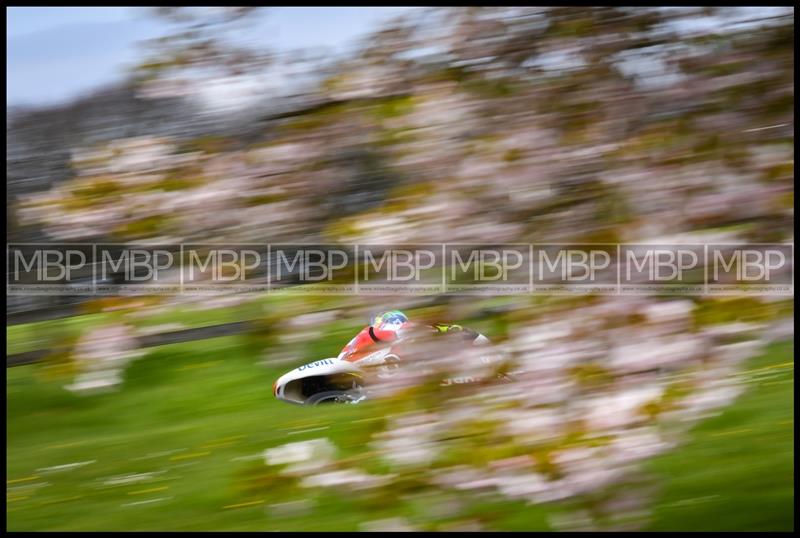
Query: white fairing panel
{"points": [[481, 341], [324, 367]]}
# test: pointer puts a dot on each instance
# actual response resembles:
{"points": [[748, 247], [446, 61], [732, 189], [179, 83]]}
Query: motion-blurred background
{"points": [[391, 125]]}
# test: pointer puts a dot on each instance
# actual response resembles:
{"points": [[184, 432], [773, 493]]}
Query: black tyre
{"points": [[335, 396]]}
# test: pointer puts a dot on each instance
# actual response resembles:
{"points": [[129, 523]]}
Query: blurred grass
{"points": [[45, 334], [737, 472], [39, 335], [187, 411], [211, 402]]}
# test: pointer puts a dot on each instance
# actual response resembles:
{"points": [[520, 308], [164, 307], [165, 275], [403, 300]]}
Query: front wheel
{"points": [[336, 396]]}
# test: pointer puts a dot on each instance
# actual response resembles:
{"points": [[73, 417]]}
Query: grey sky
{"points": [[54, 54]]}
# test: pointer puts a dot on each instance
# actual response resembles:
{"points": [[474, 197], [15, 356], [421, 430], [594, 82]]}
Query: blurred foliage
{"points": [[207, 432], [512, 124]]}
